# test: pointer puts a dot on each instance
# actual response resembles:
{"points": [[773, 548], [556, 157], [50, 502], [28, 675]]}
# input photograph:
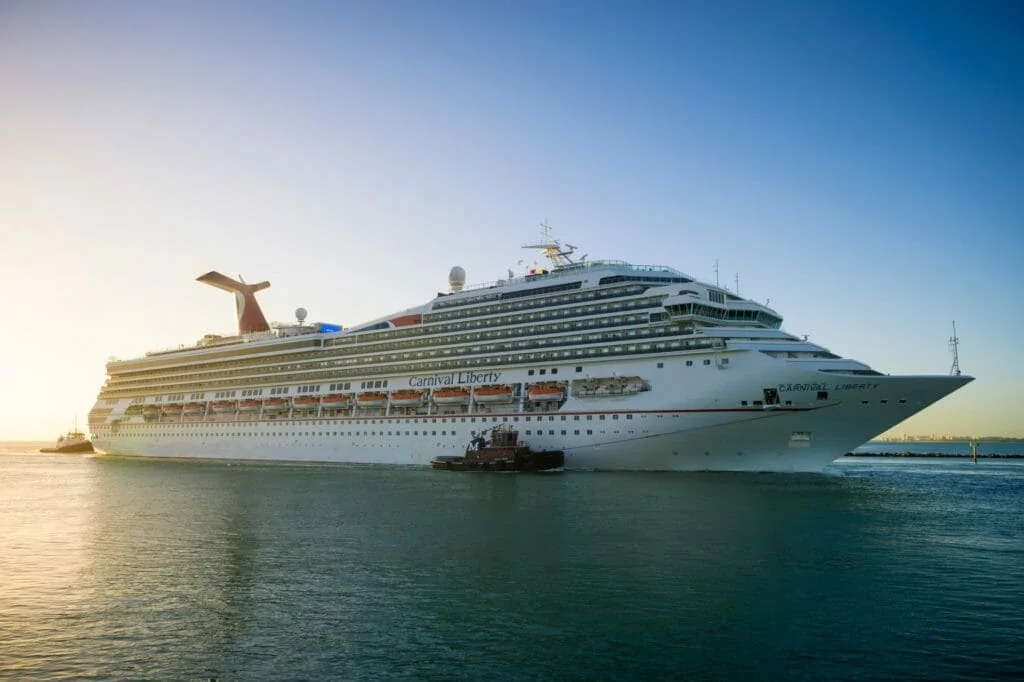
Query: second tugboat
{"points": [[73, 441], [501, 452]]}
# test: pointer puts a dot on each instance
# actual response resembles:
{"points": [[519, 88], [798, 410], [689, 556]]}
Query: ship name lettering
{"points": [[454, 378], [856, 387], [824, 387], [803, 387]]}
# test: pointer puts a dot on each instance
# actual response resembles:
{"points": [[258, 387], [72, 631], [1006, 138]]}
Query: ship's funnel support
{"points": [[250, 317]]}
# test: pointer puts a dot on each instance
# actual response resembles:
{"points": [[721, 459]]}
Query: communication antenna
{"points": [[737, 284], [716, 272], [559, 255], [954, 344]]}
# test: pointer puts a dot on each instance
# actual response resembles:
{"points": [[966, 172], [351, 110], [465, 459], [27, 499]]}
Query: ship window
{"points": [[530, 372], [822, 395], [563, 432], [707, 362], [551, 432], [590, 432], [661, 365], [579, 369], [689, 363], [743, 402], [554, 370], [543, 371]]}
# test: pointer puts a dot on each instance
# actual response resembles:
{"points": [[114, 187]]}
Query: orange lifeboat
{"points": [[193, 408], [336, 401], [305, 402], [372, 399], [249, 405], [451, 396], [274, 404], [150, 410], [492, 394], [544, 393], [406, 398], [223, 405], [172, 408]]}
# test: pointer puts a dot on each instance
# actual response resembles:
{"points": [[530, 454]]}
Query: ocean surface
{"points": [[882, 568]]}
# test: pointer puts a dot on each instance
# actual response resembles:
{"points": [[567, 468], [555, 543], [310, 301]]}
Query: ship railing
{"points": [[575, 268], [251, 337]]}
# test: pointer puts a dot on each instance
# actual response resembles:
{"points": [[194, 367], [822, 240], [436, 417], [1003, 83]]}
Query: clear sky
{"points": [[860, 164]]}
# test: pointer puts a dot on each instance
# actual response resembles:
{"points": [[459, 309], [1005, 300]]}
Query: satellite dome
{"points": [[456, 278], [300, 315]]}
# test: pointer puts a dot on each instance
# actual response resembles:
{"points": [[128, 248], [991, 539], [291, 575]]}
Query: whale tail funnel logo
{"points": [[250, 317]]}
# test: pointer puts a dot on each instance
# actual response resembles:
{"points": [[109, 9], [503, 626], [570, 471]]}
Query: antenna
{"points": [[559, 255], [737, 284], [954, 345], [716, 272]]}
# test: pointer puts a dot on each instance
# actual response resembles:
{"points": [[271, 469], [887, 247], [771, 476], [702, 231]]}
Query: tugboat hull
{"points": [[524, 460], [70, 449]]}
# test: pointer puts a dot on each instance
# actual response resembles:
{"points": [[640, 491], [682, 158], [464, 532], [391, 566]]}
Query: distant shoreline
{"points": [[932, 454]]}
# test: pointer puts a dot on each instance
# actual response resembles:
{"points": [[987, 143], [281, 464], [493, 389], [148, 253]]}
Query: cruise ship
{"points": [[620, 366]]}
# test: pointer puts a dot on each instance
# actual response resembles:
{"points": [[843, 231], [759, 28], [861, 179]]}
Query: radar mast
{"points": [[559, 255], [954, 345]]}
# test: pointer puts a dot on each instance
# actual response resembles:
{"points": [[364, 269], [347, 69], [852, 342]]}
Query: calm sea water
{"points": [[116, 569]]}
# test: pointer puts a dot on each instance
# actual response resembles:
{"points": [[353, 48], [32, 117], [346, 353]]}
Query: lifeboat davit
{"points": [[223, 405], [305, 402], [274, 404], [544, 393], [406, 398], [373, 399], [493, 394], [451, 396], [193, 408], [249, 405], [336, 401]]}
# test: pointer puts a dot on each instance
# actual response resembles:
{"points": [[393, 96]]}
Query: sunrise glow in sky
{"points": [[860, 164]]}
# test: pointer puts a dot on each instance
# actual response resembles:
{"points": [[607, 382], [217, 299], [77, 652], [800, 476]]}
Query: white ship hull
{"points": [[693, 418]]}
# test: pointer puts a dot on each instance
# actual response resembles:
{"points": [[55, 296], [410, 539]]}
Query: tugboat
{"points": [[73, 441], [502, 451]]}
